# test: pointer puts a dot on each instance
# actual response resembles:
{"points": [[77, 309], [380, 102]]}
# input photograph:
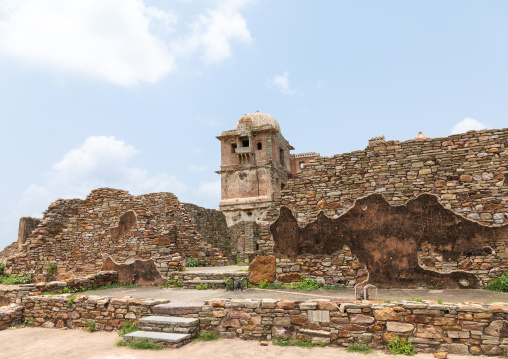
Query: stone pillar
{"points": [[26, 226]]}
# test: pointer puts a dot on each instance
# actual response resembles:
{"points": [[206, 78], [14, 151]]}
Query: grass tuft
{"points": [[359, 348], [206, 337], [127, 328], [142, 344], [400, 345], [291, 342]]}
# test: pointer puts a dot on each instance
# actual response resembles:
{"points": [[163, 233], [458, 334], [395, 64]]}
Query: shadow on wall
{"points": [[387, 239]]}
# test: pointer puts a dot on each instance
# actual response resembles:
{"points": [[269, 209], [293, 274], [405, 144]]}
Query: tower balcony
{"points": [[242, 150]]}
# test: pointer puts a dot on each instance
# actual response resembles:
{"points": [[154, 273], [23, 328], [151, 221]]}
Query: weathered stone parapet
{"points": [[10, 315], [456, 328], [61, 311]]}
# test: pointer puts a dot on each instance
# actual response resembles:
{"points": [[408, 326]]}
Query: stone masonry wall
{"points": [[456, 328], [78, 235], [468, 173], [10, 315], [213, 227]]}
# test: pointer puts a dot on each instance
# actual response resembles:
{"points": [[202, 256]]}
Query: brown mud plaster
{"points": [[387, 239], [127, 221], [140, 272]]}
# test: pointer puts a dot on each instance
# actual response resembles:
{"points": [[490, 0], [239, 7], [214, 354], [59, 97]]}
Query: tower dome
{"points": [[257, 119]]}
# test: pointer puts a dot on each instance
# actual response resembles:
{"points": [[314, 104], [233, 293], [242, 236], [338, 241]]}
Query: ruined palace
{"points": [[423, 212]]}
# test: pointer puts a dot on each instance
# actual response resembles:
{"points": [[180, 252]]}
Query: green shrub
{"points": [[91, 327], [127, 328], [71, 300], [114, 286], [2, 267], [121, 343], [265, 285], [307, 284], [173, 283], [290, 342], [202, 286], [144, 344], [206, 337], [400, 345], [22, 278], [192, 262], [334, 287], [415, 299], [499, 284], [359, 348], [51, 270]]}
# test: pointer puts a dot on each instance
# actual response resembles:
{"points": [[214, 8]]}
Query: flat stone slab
{"points": [[208, 281], [177, 308], [171, 338], [183, 322]]}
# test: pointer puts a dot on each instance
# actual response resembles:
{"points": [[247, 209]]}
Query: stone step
{"points": [[170, 340], [175, 308], [169, 325]]}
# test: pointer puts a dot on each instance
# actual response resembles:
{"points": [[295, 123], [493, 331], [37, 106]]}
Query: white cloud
{"points": [[196, 168], [106, 39], [281, 82], [468, 124], [210, 190], [99, 162], [120, 41]]}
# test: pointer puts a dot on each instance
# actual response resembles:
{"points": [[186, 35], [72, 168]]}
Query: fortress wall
{"points": [[467, 173], [78, 235]]}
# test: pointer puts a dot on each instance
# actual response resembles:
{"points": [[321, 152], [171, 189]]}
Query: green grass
{"points": [[206, 337], [140, 344], [305, 284], [51, 270], [202, 286], [334, 287], [415, 299], [359, 348], [192, 262], [499, 284], [91, 327], [291, 342], [22, 278], [400, 345], [127, 328], [71, 300]]}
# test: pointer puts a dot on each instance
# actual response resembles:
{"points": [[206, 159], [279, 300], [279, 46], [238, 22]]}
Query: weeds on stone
{"points": [[91, 326], [127, 328], [439, 301], [22, 278], [291, 342], [359, 347], [173, 283], [415, 299], [334, 287], [206, 337], [51, 270], [202, 286], [192, 262], [71, 300], [307, 284], [400, 345], [265, 285], [2, 267], [140, 344], [499, 284]]}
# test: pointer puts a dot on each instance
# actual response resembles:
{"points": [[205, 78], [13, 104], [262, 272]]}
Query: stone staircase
{"points": [[166, 329]]}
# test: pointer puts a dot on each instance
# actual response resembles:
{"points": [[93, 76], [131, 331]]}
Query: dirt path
{"points": [[35, 343]]}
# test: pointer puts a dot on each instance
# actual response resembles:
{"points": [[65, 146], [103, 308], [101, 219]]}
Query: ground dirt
{"points": [[35, 343]]}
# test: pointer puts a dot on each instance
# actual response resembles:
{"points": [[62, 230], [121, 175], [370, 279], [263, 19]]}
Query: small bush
{"points": [[144, 344], [22, 278], [400, 345], [265, 285], [114, 286], [206, 337], [192, 262], [51, 270], [127, 328], [359, 348], [307, 284], [2, 267], [173, 283], [71, 300], [499, 284], [121, 343], [290, 342], [202, 286], [91, 327]]}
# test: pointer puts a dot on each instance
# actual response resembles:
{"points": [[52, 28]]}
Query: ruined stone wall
{"points": [[78, 235], [212, 226], [455, 328], [467, 173], [26, 226]]}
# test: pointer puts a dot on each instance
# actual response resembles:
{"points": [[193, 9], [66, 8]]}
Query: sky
{"points": [[130, 94]]}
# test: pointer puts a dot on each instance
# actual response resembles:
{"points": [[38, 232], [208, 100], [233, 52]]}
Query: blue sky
{"points": [[130, 94]]}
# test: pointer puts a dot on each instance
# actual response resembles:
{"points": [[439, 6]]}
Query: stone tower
{"points": [[255, 164]]}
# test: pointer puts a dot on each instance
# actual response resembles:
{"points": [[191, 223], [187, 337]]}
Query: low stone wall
{"points": [[10, 315], [91, 281], [14, 293], [184, 276], [107, 313], [456, 328]]}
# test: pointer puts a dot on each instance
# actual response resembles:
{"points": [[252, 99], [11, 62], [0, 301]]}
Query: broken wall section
{"points": [[78, 235]]}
